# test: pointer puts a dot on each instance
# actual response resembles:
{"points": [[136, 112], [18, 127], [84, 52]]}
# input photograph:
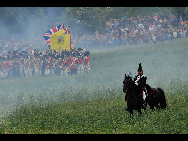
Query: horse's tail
{"points": [[162, 99]]}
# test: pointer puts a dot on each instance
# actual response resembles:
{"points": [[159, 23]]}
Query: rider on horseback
{"points": [[140, 81], [138, 93]]}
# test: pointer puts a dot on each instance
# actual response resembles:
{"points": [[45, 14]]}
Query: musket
{"points": [[152, 38], [143, 38], [160, 40], [133, 39]]}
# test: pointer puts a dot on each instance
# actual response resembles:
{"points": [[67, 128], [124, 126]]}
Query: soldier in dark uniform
{"points": [[140, 81]]}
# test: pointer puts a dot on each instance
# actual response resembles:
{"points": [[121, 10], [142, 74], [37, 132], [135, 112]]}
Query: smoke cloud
{"points": [[162, 64]]}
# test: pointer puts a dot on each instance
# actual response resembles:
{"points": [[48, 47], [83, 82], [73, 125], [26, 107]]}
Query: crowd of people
{"points": [[46, 62], [26, 58], [133, 30], [12, 45], [138, 29]]}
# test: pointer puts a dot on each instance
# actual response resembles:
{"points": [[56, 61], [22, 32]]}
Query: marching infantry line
{"points": [[49, 62]]}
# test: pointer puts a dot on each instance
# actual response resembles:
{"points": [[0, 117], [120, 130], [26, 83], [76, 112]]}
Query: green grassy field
{"points": [[97, 116], [94, 102]]}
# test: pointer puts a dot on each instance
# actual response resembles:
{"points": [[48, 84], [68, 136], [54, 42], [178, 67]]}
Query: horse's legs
{"points": [[157, 106], [163, 103], [139, 110], [131, 111], [152, 107]]}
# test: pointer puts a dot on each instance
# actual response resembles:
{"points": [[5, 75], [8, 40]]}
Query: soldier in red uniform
{"points": [[36, 66], [10, 67], [30, 67], [4, 66], [49, 68], [26, 68], [86, 61], [71, 64], [60, 64], [66, 68], [22, 66], [16, 67], [76, 64]]}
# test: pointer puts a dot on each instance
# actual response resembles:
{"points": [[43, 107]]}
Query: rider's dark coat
{"points": [[141, 79]]}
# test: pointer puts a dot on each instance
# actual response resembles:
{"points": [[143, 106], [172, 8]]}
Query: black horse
{"points": [[134, 99]]}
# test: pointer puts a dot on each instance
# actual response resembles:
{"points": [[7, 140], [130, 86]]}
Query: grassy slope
{"points": [[98, 116], [104, 112]]}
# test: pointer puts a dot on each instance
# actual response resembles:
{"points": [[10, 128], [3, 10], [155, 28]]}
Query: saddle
{"points": [[147, 89]]}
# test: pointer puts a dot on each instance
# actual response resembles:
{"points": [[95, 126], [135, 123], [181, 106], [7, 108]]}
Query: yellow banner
{"points": [[60, 41]]}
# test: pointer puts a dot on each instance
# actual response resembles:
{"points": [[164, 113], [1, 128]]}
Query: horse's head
{"points": [[127, 83]]}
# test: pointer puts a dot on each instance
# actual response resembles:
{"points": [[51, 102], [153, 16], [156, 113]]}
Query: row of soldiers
{"points": [[49, 62]]}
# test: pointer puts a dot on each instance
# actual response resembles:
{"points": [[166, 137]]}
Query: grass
{"points": [[98, 116], [94, 102]]}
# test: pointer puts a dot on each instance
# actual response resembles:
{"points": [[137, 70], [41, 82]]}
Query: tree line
{"points": [[16, 19]]}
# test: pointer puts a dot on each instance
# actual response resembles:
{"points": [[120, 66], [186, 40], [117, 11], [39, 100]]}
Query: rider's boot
{"points": [[144, 100], [144, 104]]}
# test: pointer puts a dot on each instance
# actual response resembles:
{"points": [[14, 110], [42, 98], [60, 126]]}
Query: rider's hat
{"points": [[140, 68]]}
